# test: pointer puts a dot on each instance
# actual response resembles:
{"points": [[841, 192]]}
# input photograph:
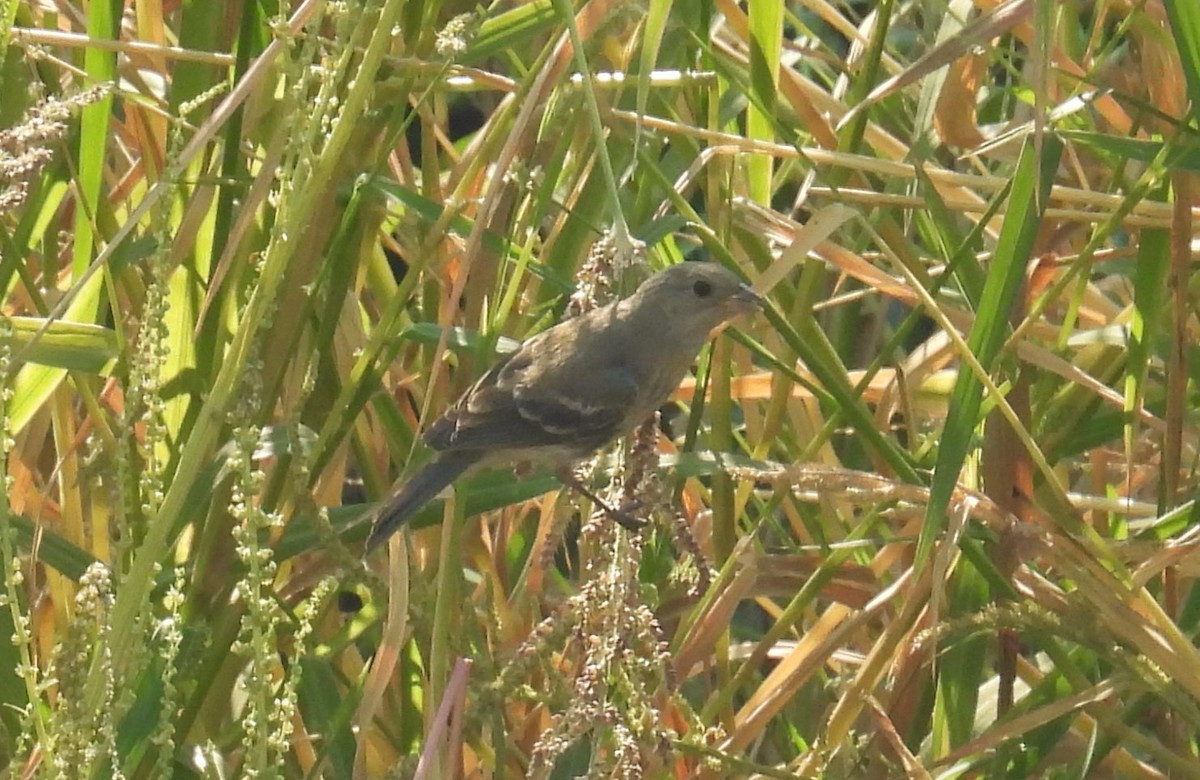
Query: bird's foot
{"points": [[622, 516]]}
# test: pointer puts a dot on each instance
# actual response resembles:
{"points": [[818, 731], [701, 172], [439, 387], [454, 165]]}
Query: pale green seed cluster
{"points": [[82, 738], [265, 730], [452, 39], [33, 717], [28, 147], [168, 637]]}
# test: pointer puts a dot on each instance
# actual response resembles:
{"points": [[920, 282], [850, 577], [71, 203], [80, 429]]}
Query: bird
{"points": [[564, 393]]}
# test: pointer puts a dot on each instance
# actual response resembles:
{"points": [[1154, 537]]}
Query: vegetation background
{"points": [[931, 516]]}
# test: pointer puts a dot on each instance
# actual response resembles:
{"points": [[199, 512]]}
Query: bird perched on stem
{"points": [[571, 389]]}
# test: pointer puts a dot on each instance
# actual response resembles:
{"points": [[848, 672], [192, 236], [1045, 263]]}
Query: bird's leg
{"points": [[622, 516]]}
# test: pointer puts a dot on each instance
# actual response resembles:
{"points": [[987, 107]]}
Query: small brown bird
{"points": [[571, 389]]}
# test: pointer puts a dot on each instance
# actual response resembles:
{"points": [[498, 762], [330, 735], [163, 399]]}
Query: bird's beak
{"points": [[745, 301]]}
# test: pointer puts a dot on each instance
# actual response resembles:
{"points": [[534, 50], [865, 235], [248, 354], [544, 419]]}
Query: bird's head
{"points": [[693, 297]]}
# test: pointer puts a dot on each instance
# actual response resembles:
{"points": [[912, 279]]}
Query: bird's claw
{"points": [[625, 518], [623, 515]]}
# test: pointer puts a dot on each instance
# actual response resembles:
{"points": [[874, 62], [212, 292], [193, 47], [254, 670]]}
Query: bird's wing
{"points": [[522, 404], [475, 402], [596, 416]]}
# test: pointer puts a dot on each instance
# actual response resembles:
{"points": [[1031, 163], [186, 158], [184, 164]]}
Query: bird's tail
{"points": [[418, 491]]}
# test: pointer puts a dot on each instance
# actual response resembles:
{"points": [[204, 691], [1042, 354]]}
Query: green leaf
{"points": [[1014, 248], [74, 346], [34, 382], [1184, 152]]}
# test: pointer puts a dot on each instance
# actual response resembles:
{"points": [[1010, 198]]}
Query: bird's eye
{"points": [[702, 289]]}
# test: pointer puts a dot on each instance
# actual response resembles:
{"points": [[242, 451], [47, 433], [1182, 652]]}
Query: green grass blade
{"points": [[1030, 194]]}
